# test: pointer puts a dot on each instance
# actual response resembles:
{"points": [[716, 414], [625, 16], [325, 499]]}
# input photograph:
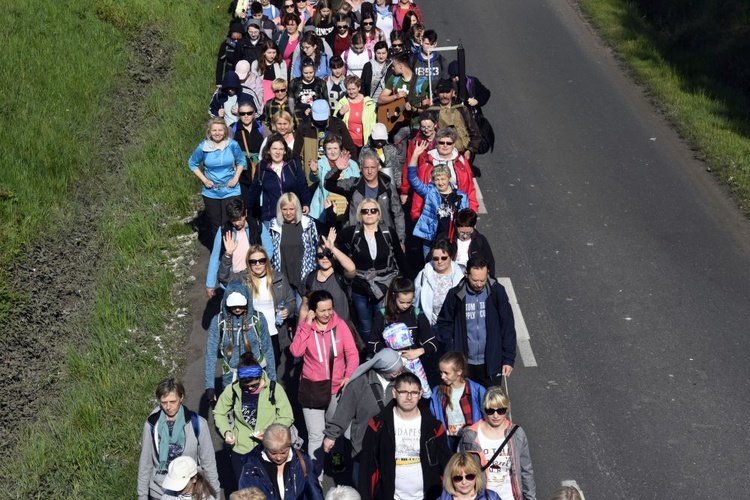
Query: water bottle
{"points": [[279, 319]]}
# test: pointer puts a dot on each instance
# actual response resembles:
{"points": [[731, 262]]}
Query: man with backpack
{"points": [[372, 184], [459, 117], [477, 320]]}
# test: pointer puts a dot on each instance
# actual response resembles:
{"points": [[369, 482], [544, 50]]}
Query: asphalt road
{"points": [[630, 263], [631, 266]]}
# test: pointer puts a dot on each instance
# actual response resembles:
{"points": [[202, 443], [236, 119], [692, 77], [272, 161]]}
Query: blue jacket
{"points": [[323, 72], [427, 225], [268, 187], [500, 348], [219, 166], [309, 242], [477, 398], [225, 330], [482, 495], [299, 483], [217, 252]]}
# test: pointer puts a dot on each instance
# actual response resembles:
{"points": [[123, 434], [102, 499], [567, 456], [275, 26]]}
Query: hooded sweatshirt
{"points": [[315, 348]]}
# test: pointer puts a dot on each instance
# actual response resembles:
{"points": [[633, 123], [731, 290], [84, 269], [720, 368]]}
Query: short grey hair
{"points": [[286, 199], [440, 170], [449, 132], [343, 493], [368, 154]]}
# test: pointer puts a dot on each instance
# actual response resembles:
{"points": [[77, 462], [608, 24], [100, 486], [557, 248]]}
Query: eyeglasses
{"points": [[246, 113], [409, 394], [468, 477], [492, 411], [445, 143], [325, 254], [256, 262], [440, 259], [369, 211], [279, 91]]}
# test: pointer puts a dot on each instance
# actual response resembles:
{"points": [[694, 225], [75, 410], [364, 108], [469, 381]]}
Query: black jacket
{"points": [[377, 470], [500, 345], [307, 129], [479, 247]]}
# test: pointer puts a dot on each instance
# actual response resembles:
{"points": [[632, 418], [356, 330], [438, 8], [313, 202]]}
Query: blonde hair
{"points": [[363, 203], [495, 397], [251, 493], [286, 199], [252, 281], [465, 463], [216, 121], [278, 84], [284, 115]]}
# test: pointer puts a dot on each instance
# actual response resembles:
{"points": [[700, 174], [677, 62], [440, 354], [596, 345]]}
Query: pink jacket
{"points": [[314, 347]]}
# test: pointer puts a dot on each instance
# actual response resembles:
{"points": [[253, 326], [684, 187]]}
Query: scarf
{"points": [[165, 440]]}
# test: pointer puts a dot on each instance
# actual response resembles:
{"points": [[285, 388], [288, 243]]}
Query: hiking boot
{"points": [[337, 463]]}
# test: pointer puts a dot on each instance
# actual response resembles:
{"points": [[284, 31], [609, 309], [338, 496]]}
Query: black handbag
{"points": [[317, 394]]}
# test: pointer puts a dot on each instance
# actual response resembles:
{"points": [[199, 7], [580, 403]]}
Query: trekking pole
{"points": [[505, 384]]}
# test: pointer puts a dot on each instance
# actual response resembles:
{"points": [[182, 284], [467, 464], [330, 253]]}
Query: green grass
{"points": [[63, 62], [713, 119]]}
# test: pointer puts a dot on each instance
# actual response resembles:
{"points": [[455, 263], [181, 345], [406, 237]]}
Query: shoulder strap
{"points": [[310, 280], [301, 458], [196, 424], [272, 392], [378, 398], [499, 448]]}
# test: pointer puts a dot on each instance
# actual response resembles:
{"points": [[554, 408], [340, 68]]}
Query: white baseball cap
{"points": [[181, 471]]}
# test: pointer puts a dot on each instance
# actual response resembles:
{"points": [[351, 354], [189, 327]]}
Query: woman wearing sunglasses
{"points": [[464, 480], [335, 270], [370, 32], [272, 297], [375, 250], [510, 474], [343, 38]]}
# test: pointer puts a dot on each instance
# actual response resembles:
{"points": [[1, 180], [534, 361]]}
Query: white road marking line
{"points": [[571, 482], [480, 198], [523, 340]]}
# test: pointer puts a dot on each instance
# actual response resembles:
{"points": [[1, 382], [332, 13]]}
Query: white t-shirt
{"points": [[456, 419], [462, 254], [264, 305], [498, 473], [408, 468]]}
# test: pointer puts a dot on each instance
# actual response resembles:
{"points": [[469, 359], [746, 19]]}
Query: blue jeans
{"points": [[365, 310]]}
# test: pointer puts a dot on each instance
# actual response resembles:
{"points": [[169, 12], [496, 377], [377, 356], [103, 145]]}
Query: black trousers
{"points": [[478, 373]]}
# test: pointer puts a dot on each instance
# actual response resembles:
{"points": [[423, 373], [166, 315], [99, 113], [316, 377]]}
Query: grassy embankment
{"points": [[61, 64], [715, 120]]}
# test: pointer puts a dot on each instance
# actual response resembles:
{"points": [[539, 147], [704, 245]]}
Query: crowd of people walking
{"points": [[360, 330]]}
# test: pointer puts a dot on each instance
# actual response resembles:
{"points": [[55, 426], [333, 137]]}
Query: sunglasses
{"points": [[468, 477], [246, 113], [368, 23], [369, 211], [397, 45], [326, 254], [288, 5], [440, 259], [255, 262], [492, 411], [279, 91], [342, 26], [445, 143]]}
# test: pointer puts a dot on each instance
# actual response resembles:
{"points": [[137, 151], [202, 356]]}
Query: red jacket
{"points": [[464, 179], [314, 347]]}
